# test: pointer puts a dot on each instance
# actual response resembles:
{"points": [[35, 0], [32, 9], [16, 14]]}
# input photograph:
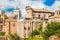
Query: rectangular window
{"points": [[1, 21], [0, 15]]}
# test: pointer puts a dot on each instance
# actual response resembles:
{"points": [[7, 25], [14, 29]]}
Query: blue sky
{"points": [[49, 2], [9, 5], [9, 9]]}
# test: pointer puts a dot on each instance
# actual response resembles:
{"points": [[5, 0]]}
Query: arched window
{"points": [[38, 16]]}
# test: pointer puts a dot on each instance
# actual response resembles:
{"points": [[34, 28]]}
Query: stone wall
{"points": [[2, 38], [54, 38]]}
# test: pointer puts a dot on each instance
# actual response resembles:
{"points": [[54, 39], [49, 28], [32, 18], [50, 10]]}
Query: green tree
{"points": [[16, 37], [52, 28], [13, 37], [57, 33], [37, 32], [40, 29], [3, 12], [34, 33]]}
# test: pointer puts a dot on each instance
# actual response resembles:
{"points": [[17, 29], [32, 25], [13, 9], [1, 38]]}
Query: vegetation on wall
{"points": [[37, 32], [34, 33], [2, 33], [51, 29], [13, 37]]}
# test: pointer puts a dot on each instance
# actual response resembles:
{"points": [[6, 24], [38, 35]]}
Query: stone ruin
{"points": [[54, 38]]}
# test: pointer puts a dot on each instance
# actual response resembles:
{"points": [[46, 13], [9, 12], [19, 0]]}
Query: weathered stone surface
{"points": [[54, 38]]}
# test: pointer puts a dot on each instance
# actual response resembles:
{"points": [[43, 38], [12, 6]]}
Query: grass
{"points": [[33, 39]]}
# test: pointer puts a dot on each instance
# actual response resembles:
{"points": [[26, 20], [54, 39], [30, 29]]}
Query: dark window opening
{"points": [[28, 28], [0, 15], [1, 21], [1, 27], [24, 28], [39, 16], [46, 22], [15, 17]]}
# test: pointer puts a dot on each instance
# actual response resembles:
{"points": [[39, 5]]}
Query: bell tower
{"points": [[29, 12], [17, 13]]}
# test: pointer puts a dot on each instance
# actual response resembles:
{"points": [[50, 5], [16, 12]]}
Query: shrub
{"points": [[52, 28], [37, 32], [2, 33], [13, 37], [34, 33]]}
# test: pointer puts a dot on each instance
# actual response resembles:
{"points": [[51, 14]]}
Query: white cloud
{"points": [[23, 3], [37, 5], [6, 3], [55, 6]]}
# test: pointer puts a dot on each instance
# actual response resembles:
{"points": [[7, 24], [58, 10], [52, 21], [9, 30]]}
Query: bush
{"points": [[57, 33], [34, 33], [13, 37], [52, 28], [2, 33], [37, 32]]}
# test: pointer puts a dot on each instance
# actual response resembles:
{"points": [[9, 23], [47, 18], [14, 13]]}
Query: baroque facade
{"points": [[24, 27], [33, 18]]}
